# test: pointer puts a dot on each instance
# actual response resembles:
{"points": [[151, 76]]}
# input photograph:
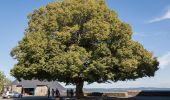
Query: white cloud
{"points": [[164, 17], [150, 34], [164, 60]]}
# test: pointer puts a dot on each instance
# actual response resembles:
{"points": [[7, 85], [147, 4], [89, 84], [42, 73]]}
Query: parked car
{"points": [[9, 94], [17, 95]]}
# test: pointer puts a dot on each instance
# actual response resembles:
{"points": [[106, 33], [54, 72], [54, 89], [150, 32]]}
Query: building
{"points": [[34, 87]]}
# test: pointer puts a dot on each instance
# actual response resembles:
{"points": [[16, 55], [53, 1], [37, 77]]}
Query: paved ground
{"points": [[29, 98], [133, 98]]}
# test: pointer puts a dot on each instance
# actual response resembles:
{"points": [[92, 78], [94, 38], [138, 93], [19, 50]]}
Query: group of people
{"points": [[53, 93], [56, 93], [70, 92]]}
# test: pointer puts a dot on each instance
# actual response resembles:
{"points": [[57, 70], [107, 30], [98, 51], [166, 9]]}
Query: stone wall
{"points": [[148, 93], [41, 90], [16, 88], [115, 94]]}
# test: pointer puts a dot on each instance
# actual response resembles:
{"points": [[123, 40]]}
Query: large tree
{"points": [[77, 41]]}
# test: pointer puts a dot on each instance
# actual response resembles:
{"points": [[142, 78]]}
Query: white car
{"points": [[9, 94]]}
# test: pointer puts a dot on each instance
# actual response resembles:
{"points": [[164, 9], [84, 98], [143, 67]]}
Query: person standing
{"points": [[67, 93], [53, 92], [48, 92], [71, 92], [57, 93]]}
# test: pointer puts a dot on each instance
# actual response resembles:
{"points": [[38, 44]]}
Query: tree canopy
{"points": [[74, 41]]}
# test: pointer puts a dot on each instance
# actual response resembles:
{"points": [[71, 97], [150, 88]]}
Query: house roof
{"points": [[35, 83]]}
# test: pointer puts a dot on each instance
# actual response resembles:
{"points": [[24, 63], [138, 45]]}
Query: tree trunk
{"points": [[79, 89]]}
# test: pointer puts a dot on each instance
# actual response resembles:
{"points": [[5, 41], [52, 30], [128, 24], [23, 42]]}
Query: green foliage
{"points": [[3, 80], [80, 40]]}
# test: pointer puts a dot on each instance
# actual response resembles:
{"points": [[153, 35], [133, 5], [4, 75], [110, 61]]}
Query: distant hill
{"points": [[124, 89]]}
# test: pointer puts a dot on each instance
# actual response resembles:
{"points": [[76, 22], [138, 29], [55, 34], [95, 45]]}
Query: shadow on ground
{"points": [[138, 95], [33, 98], [96, 98]]}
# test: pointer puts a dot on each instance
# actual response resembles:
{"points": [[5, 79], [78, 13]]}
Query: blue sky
{"points": [[150, 21]]}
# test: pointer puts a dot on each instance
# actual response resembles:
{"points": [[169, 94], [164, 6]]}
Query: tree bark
{"points": [[79, 89]]}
